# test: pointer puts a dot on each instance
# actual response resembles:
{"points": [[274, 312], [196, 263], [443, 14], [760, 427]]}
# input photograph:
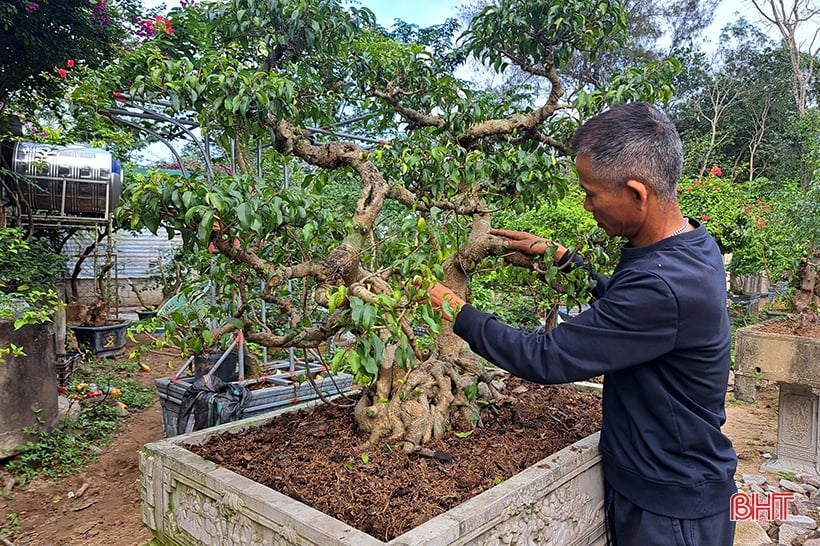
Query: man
{"points": [[658, 331]]}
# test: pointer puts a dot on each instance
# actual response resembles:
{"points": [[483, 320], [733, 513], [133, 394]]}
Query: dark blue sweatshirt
{"points": [[659, 333]]}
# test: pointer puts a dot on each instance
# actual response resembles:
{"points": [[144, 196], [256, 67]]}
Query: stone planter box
{"points": [[794, 363], [187, 500], [777, 357]]}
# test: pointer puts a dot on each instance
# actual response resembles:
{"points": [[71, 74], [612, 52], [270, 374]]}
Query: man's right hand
{"points": [[438, 294], [528, 243]]}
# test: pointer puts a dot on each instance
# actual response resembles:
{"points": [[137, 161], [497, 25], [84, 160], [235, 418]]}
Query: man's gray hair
{"points": [[633, 141]]}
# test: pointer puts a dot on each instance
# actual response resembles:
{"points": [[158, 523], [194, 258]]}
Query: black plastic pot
{"points": [[144, 314], [103, 341]]}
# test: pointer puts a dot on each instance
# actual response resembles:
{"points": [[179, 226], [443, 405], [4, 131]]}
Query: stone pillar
{"points": [[28, 384], [745, 386], [797, 431]]}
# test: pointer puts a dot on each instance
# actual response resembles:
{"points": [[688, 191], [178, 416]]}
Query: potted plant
{"points": [[197, 321], [99, 335], [314, 236], [96, 332]]}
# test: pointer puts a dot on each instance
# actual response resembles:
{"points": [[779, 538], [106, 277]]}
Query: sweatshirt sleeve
{"points": [[630, 325]]}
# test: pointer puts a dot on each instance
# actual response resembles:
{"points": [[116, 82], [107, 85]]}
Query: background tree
{"points": [[654, 29], [791, 19], [272, 86], [729, 116], [43, 40]]}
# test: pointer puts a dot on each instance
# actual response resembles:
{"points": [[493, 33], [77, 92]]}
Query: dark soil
{"points": [[793, 325], [323, 461]]}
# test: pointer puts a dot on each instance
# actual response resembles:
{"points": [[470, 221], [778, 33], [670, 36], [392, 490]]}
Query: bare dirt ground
{"points": [[51, 513]]}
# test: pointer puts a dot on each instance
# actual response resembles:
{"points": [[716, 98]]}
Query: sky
{"points": [[419, 12], [431, 12]]}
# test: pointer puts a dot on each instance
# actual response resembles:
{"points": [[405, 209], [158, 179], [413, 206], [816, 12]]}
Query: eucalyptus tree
{"points": [[281, 86]]}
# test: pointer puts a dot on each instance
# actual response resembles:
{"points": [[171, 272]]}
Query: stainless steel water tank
{"points": [[69, 180]]}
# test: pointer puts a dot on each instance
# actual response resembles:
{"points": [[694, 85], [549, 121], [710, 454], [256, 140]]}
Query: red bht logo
{"points": [[743, 506]]}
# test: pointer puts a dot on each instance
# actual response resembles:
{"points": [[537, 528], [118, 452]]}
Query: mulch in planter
{"points": [[380, 490]]}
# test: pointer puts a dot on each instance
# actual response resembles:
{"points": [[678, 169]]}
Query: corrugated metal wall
{"points": [[135, 255], [135, 258]]}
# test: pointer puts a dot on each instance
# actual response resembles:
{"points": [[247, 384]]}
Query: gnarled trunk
{"points": [[446, 392]]}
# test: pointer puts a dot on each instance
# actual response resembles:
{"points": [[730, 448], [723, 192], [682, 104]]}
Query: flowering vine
{"points": [[149, 28], [62, 72]]}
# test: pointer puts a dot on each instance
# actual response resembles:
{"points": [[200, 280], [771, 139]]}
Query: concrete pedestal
{"points": [[794, 363], [797, 427], [28, 384]]}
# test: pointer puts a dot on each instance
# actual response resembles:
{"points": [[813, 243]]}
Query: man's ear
{"points": [[639, 192]]}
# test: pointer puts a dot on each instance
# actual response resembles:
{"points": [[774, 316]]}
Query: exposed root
{"points": [[428, 402]]}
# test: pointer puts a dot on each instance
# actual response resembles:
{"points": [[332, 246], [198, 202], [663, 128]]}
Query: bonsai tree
{"points": [[97, 312], [360, 170]]}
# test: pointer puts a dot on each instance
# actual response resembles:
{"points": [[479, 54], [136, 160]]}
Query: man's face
{"points": [[615, 213]]}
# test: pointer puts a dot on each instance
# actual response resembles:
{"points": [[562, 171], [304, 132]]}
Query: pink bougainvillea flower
{"points": [[716, 171], [99, 12], [62, 72], [705, 217], [761, 223], [212, 248], [31, 7], [70, 63], [163, 22]]}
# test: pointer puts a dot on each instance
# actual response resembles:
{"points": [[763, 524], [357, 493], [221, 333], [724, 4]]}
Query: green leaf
{"points": [[368, 318], [356, 310], [245, 214], [371, 365], [205, 227]]}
